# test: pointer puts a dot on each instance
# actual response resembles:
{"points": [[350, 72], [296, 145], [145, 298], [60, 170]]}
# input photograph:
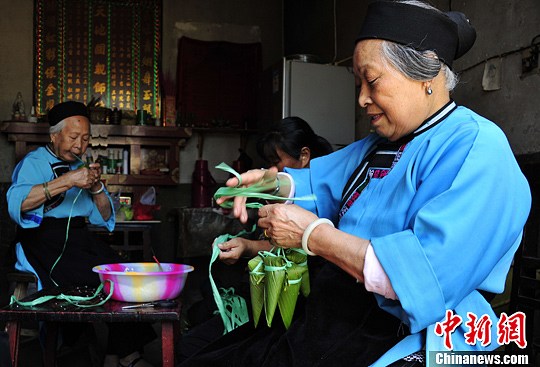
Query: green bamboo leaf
{"points": [[289, 294], [299, 257], [274, 267], [256, 286]]}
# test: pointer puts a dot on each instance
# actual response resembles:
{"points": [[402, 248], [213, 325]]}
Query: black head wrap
{"points": [[66, 109], [448, 34]]}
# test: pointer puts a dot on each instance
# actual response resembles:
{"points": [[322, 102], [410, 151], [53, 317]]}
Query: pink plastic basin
{"points": [[143, 282]]}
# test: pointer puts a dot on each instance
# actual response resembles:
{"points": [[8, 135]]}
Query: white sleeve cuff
{"points": [[375, 278], [292, 186]]}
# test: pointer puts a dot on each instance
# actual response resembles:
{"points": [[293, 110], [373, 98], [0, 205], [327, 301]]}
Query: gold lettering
{"points": [[100, 11], [100, 30], [50, 54], [99, 49], [100, 87], [49, 90], [147, 61], [49, 104], [147, 94], [99, 69], [147, 78], [50, 72]]}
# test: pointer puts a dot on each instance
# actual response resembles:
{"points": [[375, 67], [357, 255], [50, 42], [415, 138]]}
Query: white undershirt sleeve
{"points": [[375, 278]]}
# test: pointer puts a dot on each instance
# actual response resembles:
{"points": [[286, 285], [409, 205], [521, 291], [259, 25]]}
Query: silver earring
{"points": [[429, 91]]}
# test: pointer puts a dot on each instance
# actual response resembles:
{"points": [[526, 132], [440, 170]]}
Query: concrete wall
{"points": [[502, 27], [16, 65]]}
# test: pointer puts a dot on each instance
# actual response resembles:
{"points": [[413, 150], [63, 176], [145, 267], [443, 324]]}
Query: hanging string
{"points": [[66, 239], [67, 226]]}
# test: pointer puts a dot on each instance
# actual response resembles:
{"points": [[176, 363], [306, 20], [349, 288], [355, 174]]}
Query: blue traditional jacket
{"points": [[444, 222]]}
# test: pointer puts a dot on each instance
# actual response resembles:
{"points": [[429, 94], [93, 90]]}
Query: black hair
{"points": [[290, 135]]}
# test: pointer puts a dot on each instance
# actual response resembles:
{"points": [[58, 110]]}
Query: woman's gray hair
{"points": [[418, 65], [55, 129]]}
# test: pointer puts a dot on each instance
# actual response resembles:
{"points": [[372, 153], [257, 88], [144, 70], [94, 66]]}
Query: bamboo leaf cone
{"points": [[274, 267], [289, 294], [256, 286], [300, 257]]}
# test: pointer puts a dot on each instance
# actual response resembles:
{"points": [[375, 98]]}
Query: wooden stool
{"points": [[22, 280]]}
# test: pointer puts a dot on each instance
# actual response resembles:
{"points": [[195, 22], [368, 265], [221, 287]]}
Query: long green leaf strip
{"points": [[231, 307], [79, 301], [256, 191]]}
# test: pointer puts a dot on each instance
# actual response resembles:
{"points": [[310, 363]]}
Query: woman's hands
{"points": [[86, 177], [285, 224], [238, 247], [249, 178]]}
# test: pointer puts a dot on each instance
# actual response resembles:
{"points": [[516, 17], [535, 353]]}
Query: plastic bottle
{"points": [[125, 162], [119, 161], [89, 158], [33, 117], [202, 185], [111, 163]]}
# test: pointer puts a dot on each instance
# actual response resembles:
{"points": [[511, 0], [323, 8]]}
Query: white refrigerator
{"points": [[323, 95]]}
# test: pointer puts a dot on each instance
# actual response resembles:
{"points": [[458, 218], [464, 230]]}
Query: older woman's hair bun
{"points": [[466, 32]]}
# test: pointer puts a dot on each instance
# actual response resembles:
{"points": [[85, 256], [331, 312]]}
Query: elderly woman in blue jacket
{"points": [[420, 217]]}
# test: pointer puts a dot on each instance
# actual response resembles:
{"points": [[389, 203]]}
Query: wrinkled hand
{"points": [[285, 224], [249, 178], [232, 250], [86, 177]]}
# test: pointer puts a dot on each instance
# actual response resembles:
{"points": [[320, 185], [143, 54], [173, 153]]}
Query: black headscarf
{"points": [[66, 109], [449, 34]]}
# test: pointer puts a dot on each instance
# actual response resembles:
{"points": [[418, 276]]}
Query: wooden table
{"points": [[55, 311]]}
